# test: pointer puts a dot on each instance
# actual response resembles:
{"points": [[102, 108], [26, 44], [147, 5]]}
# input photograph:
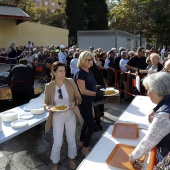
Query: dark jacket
{"points": [[21, 74], [97, 74]]}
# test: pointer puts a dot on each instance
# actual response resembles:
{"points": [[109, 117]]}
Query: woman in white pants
{"points": [[62, 91]]}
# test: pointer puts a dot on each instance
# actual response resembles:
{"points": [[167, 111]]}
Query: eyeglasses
{"points": [[89, 59], [60, 96], [166, 70]]}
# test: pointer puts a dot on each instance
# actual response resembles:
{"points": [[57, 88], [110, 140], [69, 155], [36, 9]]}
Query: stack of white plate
{"points": [[34, 108], [9, 116]]}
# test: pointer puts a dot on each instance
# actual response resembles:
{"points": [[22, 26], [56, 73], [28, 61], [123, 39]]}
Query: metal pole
{"points": [[141, 32]]}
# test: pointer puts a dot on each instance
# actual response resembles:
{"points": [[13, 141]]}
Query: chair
{"points": [[38, 72]]}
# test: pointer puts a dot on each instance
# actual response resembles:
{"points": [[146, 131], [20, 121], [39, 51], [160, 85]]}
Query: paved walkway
{"points": [[31, 150]]}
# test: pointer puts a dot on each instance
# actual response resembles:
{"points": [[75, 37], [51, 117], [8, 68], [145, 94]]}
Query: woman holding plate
{"points": [[62, 91], [86, 83]]}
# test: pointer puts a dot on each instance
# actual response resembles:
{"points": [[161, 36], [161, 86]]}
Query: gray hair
{"points": [[123, 54], [155, 55], [158, 82]]}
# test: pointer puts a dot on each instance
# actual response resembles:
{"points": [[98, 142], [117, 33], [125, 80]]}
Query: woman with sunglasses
{"points": [[62, 91], [87, 85]]}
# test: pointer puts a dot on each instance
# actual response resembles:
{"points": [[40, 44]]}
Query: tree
{"points": [[59, 19], [149, 17], [96, 14], [75, 18]]}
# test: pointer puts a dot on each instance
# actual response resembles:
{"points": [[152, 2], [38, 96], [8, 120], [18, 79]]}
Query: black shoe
{"points": [[98, 128], [101, 114]]}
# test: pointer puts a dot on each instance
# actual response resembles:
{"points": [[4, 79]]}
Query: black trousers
{"points": [[22, 93], [89, 125]]}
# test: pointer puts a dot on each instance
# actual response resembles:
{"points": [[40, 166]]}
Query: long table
{"points": [[8, 132], [137, 113]]}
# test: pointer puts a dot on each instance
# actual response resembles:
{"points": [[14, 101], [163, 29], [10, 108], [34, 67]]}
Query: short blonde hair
{"points": [[155, 55], [82, 58]]}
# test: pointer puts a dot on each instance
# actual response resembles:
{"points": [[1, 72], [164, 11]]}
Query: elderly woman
{"points": [[155, 65], [157, 86], [87, 85], [62, 91]]}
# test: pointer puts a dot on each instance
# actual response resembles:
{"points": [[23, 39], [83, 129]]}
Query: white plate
{"points": [[59, 110], [19, 123], [37, 111], [26, 116], [29, 106], [117, 91], [9, 116], [107, 88]]}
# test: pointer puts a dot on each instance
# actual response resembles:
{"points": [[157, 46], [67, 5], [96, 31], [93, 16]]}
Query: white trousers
{"points": [[60, 120]]}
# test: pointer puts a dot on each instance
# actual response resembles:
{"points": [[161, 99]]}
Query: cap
{"points": [[112, 51], [62, 46], [91, 48], [48, 60], [57, 51]]}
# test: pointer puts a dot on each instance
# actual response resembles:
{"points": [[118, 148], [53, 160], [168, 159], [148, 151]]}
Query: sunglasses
{"points": [[60, 96], [89, 60]]}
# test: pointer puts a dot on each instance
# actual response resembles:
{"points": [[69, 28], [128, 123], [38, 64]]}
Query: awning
{"points": [[12, 12]]}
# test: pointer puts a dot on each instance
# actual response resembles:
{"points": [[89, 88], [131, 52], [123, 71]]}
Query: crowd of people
{"points": [[74, 79]]}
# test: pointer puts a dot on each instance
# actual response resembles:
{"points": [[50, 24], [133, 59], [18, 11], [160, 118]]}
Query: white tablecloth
{"points": [[97, 157], [137, 112], [8, 132]]}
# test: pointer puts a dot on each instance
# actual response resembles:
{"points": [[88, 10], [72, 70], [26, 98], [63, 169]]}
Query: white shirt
{"points": [[65, 100], [73, 65], [106, 64], [122, 65], [62, 57]]}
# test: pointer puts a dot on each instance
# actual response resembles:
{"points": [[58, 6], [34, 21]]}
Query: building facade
{"points": [[107, 39], [51, 4]]}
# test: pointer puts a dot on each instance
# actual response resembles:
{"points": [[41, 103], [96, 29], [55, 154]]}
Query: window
{"points": [[52, 10], [53, 3], [46, 3]]}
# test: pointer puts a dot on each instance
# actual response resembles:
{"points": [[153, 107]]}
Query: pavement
{"points": [[31, 150]]}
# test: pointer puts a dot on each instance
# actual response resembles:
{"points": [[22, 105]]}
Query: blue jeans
{"points": [[161, 153]]}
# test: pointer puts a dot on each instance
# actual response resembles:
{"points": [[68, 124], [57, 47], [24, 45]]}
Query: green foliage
{"points": [[75, 16], [151, 17], [96, 14], [85, 15], [43, 15]]}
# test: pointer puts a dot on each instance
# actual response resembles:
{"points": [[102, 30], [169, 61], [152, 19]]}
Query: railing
{"points": [[152, 160], [130, 81]]}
